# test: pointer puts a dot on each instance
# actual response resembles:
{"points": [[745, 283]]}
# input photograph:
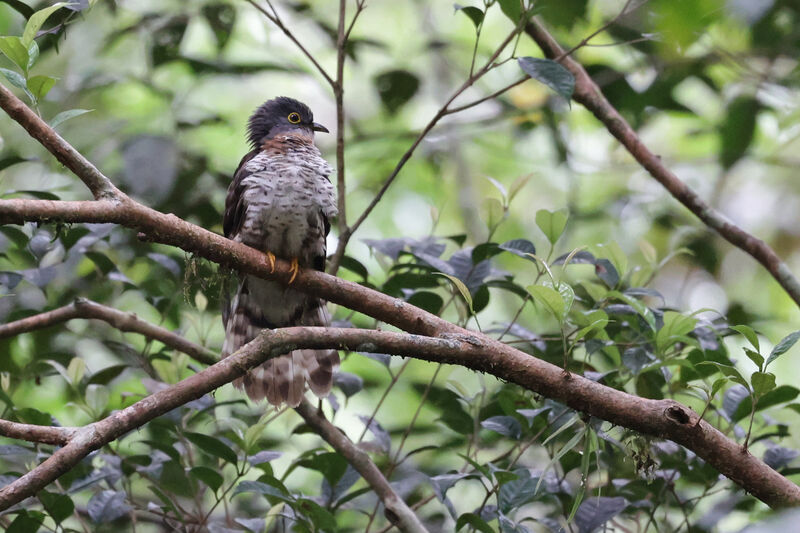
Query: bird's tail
{"points": [[281, 379]]}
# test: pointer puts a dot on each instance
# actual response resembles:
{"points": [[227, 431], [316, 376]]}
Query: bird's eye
{"points": [[294, 118]]}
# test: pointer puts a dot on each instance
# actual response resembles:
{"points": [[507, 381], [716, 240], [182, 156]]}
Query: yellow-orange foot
{"points": [[294, 269], [271, 261]]}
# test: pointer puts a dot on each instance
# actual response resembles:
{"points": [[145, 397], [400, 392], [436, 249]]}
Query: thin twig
{"points": [[397, 511], [590, 96], [344, 238], [275, 19], [122, 321]]}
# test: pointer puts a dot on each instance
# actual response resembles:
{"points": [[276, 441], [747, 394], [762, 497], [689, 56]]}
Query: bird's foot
{"points": [[271, 261], [294, 269]]}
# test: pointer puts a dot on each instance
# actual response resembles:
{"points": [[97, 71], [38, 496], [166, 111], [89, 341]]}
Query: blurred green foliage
{"points": [[568, 250]]}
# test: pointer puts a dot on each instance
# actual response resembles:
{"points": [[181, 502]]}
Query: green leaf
{"points": [[461, 288], [749, 334], [473, 520], [36, 21], [25, 522], [263, 488], [755, 357], [615, 254], [58, 506], [512, 9], [500, 188], [322, 519], [66, 115], [551, 299], [518, 185], [212, 446], [763, 382], [17, 80], [552, 74], [33, 54], [728, 371], [474, 14], [493, 212], [570, 445], [40, 86], [396, 88], [97, 397], [75, 370], [521, 247], [778, 395], [551, 223], [718, 384], [14, 49], [330, 464], [104, 376], [737, 130], [640, 308], [101, 261], [505, 425], [675, 328], [782, 347], [210, 477]]}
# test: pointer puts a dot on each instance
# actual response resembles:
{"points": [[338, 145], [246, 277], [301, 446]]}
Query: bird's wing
{"points": [[234, 202]]}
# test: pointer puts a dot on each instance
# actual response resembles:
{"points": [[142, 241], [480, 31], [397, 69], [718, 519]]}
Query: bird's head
{"points": [[281, 115]]}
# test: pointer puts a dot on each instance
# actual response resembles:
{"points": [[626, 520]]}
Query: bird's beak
{"points": [[319, 127]]}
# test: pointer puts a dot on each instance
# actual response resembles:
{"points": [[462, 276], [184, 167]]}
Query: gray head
{"points": [[281, 115]]}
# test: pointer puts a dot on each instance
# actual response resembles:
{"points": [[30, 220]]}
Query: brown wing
{"points": [[234, 202]]}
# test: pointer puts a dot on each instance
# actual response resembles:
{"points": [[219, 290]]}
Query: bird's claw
{"points": [[271, 261], [294, 269]]}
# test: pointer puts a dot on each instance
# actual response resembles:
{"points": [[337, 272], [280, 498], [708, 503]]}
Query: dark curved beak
{"points": [[319, 127]]}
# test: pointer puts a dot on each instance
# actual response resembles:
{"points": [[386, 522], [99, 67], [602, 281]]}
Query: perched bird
{"points": [[280, 202]]}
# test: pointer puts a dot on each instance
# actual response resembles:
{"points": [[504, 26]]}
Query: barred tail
{"points": [[260, 304]]}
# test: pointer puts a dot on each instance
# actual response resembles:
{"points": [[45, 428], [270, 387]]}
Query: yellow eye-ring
{"points": [[294, 118]]}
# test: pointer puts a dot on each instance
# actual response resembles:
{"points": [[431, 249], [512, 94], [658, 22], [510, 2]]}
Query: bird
{"points": [[280, 202]]}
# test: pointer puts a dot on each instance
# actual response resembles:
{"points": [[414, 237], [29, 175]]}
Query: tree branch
{"points": [[32, 433], [273, 17], [397, 512], [663, 419], [589, 95], [101, 186], [120, 320]]}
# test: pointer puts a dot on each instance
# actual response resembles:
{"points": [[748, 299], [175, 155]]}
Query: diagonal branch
{"points": [[120, 320], [275, 19], [661, 418], [397, 512], [101, 186], [589, 94]]}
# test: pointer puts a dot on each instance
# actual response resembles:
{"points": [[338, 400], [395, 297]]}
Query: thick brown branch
{"points": [[588, 93], [397, 512], [100, 185], [31, 433], [660, 418], [120, 320]]}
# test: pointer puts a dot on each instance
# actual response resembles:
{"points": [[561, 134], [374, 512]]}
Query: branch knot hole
{"points": [[677, 414]]}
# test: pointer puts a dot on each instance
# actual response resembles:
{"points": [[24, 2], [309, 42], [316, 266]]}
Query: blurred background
{"points": [[167, 86]]}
